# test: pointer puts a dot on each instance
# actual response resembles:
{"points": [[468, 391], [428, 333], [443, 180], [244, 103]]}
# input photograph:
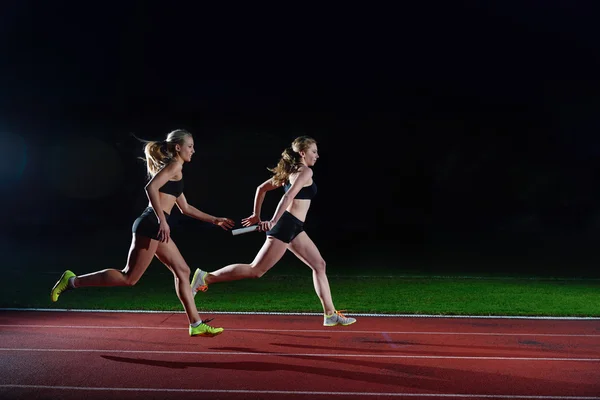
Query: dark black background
{"points": [[447, 130]]}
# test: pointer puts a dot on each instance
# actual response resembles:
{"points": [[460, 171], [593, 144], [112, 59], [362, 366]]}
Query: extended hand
{"points": [[251, 220], [224, 223]]}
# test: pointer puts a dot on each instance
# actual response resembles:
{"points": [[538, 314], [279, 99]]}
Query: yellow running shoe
{"points": [[337, 318], [205, 330], [198, 283], [61, 285]]}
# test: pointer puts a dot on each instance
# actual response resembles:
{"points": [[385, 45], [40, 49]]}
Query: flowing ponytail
{"points": [[290, 160], [160, 153]]}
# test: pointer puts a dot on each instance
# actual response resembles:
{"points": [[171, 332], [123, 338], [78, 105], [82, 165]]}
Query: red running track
{"points": [[104, 355]]}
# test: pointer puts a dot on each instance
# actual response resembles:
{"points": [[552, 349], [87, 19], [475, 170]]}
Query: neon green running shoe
{"points": [[61, 285], [198, 283], [205, 330]]}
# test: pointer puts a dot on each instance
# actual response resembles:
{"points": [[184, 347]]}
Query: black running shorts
{"points": [[287, 228], [147, 224]]}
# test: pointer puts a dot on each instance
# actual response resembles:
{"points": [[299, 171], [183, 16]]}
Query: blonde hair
{"points": [[290, 160], [160, 153]]}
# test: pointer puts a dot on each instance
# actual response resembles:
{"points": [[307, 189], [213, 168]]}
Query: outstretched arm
{"points": [[191, 211]]}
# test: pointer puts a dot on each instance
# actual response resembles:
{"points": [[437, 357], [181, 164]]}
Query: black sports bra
{"points": [[306, 193], [174, 188]]}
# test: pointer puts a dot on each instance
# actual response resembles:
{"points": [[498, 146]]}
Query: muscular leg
{"points": [[140, 255], [267, 257], [169, 254], [305, 249]]}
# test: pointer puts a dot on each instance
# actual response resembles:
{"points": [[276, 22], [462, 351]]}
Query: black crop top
{"points": [[306, 193], [174, 188]]}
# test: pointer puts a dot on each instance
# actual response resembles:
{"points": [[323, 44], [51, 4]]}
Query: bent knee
{"points": [[130, 281], [181, 271], [256, 272], [319, 266]]}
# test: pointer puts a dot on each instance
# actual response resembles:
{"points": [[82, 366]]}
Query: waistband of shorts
{"points": [[291, 216]]}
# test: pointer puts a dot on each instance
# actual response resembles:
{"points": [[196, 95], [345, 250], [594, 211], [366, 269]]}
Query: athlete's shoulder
{"points": [[305, 171]]}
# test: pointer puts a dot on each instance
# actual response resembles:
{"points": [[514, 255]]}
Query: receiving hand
{"points": [[224, 223], [251, 220]]}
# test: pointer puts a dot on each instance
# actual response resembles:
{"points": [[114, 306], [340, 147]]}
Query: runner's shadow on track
{"points": [[453, 380], [256, 366], [423, 377]]}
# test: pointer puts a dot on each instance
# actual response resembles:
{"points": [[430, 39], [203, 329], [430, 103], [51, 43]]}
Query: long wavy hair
{"points": [[290, 160], [157, 154]]}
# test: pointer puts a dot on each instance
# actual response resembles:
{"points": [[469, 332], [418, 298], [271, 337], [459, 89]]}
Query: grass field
{"points": [[363, 287], [356, 294]]}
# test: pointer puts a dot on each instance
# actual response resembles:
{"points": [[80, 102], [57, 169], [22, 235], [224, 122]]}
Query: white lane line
{"points": [[296, 392], [266, 354], [332, 330]]}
